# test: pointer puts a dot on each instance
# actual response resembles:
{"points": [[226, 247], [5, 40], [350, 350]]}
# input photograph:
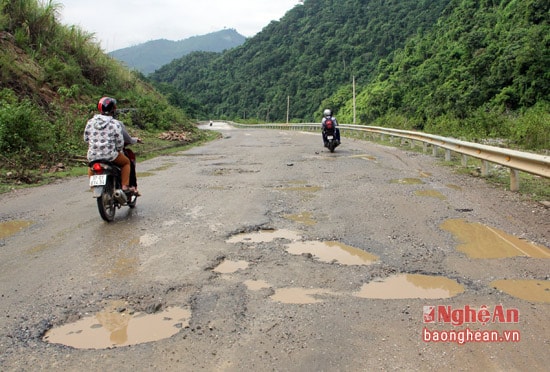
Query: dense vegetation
{"points": [[307, 55], [466, 68], [482, 71], [149, 56], [52, 77]]}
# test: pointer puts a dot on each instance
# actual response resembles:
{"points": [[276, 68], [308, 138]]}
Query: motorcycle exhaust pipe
{"points": [[120, 196]]}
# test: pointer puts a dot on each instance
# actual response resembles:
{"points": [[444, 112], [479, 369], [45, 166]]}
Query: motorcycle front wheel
{"points": [[106, 203]]}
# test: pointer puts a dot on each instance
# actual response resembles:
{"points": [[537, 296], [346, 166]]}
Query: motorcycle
{"points": [[107, 189], [332, 142]]}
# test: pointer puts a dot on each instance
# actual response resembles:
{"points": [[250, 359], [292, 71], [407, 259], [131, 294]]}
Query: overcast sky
{"points": [[122, 23]]}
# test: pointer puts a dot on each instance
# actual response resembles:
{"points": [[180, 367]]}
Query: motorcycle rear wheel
{"points": [[106, 203]]}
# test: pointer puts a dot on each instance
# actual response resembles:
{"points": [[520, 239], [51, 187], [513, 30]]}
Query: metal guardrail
{"points": [[516, 161]]}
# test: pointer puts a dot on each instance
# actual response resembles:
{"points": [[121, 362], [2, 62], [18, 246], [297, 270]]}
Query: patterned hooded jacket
{"points": [[104, 136]]}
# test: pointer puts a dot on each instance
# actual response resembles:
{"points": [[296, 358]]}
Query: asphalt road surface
{"points": [[263, 251]]}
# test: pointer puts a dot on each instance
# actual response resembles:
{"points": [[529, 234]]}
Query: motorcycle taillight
{"points": [[97, 168]]}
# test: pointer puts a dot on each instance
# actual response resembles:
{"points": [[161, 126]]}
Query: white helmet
{"points": [[327, 112]]}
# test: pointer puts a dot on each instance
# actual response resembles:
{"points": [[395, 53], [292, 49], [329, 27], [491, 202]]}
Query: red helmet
{"points": [[106, 105]]}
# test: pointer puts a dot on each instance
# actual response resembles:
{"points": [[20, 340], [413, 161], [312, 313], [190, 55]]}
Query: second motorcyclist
{"points": [[329, 122]]}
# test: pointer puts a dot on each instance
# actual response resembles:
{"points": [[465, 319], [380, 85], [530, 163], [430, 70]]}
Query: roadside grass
{"points": [[531, 187], [151, 147]]}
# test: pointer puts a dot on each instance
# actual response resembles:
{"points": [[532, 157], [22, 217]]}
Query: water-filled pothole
{"points": [[300, 295], [229, 267], [10, 228], [304, 188], [529, 290], [332, 252], [431, 194], [256, 285], [480, 241], [116, 326], [411, 286], [364, 156], [408, 181], [264, 236], [305, 218]]}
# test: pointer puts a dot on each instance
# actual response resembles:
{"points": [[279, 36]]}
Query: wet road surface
{"points": [[263, 251]]}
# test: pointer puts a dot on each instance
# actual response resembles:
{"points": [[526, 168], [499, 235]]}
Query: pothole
{"points": [[10, 228], [264, 236], [408, 181], [480, 241], [364, 156], [431, 194], [256, 285], [116, 326], [230, 267], [304, 188], [305, 218], [411, 286], [332, 252], [299, 295], [529, 290]]}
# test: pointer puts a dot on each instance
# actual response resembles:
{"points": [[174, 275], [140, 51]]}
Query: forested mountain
{"points": [[149, 56], [471, 68], [483, 70], [307, 56]]}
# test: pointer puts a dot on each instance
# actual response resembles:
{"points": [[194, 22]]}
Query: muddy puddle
{"points": [[230, 267], [408, 181], [301, 188], [256, 285], [480, 241], [300, 295], [264, 236], [406, 286], [305, 218], [528, 290], [116, 326], [10, 228], [332, 252], [431, 194], [364, 157]]}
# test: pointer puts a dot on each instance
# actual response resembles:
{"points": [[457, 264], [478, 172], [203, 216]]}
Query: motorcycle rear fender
{"points": [[97, 191]]}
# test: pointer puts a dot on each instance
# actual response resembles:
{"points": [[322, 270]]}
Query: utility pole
{"points": [[353, 99], [287, 108]]}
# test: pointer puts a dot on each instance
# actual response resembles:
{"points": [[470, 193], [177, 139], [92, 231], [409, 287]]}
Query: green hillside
{"points": [[51, 78], [472, 69], [307, 55], [149, 56], [482, 71]]}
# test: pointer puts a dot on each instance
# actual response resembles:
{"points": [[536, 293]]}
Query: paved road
{"points": [[263, 251]]}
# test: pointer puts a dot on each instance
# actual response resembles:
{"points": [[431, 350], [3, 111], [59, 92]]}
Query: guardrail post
{"points": [[484, 168], [424, 147], [434, 150], [464, 160], [447, 155], [514, 179]]}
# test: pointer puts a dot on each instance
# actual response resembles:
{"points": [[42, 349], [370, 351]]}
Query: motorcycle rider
{"points": [[327, 115], [106, 137]]}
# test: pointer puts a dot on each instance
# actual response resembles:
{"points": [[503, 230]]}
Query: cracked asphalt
{"points": [[213, 234]]}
